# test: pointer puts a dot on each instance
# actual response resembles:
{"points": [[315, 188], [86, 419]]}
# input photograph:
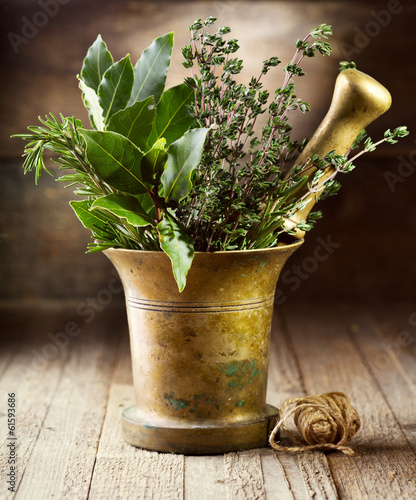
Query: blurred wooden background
{"points": [[369, 227]]}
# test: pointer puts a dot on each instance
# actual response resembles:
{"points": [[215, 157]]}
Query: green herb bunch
{"points": [[184, 169], [136, 163]]}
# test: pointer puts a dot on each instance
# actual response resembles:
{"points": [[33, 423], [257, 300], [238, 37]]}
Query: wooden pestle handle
{"points": [[357, 101]]}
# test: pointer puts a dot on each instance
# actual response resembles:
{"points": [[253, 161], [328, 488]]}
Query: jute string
{"points": [[326, 422]]}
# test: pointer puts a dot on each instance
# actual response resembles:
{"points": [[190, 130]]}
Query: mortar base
{"points": [[199, 440]]}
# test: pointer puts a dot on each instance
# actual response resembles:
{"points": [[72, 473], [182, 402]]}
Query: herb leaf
{"points": [[154, 161], [115, 87], [96, 63], [151, 70], [179, 247], [134, 122], [126, 207], [116, 160], [172, 115], [184, 156], [90, 220], [95, 111]]}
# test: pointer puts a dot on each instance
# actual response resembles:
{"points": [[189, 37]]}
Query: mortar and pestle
{"points": [[200, 357]]}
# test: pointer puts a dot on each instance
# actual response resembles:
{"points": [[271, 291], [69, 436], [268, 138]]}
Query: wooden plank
{"points": [[316, 474], [63, 456], [121, 470], [384, 467], [244, 476], [285, 379], [27, 377], [284, 382], [204, 477], [389, 348], [307, 475], [276, 481]]}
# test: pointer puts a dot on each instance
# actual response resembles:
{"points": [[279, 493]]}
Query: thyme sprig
{"points": [[239, 169]]}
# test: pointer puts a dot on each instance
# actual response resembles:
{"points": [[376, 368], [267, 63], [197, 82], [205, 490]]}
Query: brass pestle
{"points": [[358, 100]]}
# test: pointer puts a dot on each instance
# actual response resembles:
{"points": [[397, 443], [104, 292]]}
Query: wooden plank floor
{"points": [[70, 391]]}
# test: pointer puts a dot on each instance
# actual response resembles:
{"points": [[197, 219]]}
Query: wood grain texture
{"points": [[308, 475], [276, 481], [204, 478], [244, 476], [34, 394], [69, 411], [388, 347], [42, 244], [71, 430], [64, 433], [329, 360]]}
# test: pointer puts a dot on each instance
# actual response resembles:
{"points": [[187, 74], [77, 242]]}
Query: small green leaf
{"points": [[184, 156], [134, 122], [172, 116], [95, 221], [115, 87], [151, 69], [154, 161], [116, 160], [92, 104], [179, 247], [126, 207], [96, 63]]}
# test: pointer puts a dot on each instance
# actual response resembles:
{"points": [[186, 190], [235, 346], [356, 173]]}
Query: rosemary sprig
{"points": [[61, 137]]}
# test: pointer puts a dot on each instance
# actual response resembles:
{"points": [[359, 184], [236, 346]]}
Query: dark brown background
{"points": [[42, 244]]}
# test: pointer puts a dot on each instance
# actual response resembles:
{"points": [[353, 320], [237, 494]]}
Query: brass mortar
{"points": [[200, 357]]}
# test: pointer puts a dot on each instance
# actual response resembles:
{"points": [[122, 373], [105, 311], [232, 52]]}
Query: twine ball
{"points": [[328, 421]]}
